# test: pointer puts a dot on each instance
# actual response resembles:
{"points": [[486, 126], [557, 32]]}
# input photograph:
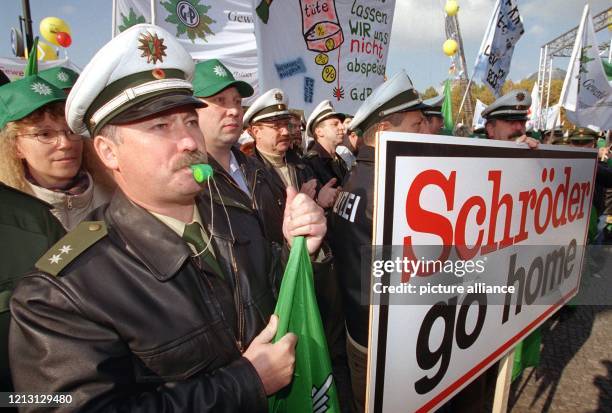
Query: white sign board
{"points": [[323, 49], [481, 226]]}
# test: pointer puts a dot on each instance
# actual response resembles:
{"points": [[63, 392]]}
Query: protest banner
{"points": [[495, 55], [221, 29], [482, 241], [323, 49], [14, 67]]}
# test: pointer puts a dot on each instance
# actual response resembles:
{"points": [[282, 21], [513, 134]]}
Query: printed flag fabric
{"points": [[495, 54], [586, 94], [323, 49], [220, 29], [313, 388]]}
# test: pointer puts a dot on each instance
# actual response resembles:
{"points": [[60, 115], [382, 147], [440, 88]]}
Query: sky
{"points": [[416, 39]]}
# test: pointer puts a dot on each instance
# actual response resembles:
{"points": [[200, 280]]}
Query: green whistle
{"points": [[201, 172]]}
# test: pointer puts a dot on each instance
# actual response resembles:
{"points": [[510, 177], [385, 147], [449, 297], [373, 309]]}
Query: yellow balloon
{"points": [[46, 52], [452, 7], [450, 47], [50, 26]]}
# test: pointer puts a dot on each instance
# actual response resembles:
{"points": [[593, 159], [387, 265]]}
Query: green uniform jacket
{"points": [[27, 231]]}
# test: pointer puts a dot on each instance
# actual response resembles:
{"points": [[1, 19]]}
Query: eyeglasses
{"points": [[279, 125], [52, 136]]}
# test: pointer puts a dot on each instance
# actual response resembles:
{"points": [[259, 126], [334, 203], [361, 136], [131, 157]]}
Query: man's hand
{"points": [[303, 217], [603, 153], [274, 363], [532, 143], [327, 194], [309, 188]]}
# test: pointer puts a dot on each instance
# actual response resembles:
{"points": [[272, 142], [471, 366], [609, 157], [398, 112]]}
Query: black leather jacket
{"points": [[300, 173], [351, 230], [135, 324], [324, 165], [261, 200]]}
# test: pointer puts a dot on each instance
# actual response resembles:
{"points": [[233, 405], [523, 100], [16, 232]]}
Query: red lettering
{"points": [[573, 202], [422, 220], [464, 252], [496, 202]]}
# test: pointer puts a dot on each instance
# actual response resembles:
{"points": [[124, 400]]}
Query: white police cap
{"points": [[395, 95], [142, 71], [514, 105], [433, 106], [271, 105], [324, 110]]}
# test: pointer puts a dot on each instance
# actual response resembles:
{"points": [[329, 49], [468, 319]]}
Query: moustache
{"points": [[192, 158]]}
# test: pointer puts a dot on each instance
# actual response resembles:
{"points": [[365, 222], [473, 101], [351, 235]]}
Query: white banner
{"points": [[14, 67], [323, 49], [495, 55], [486, 255], [220, 29], [586, 94], [478, 121]]}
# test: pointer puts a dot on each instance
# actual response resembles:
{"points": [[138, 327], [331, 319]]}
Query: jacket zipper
{"points": [[238, 301]]}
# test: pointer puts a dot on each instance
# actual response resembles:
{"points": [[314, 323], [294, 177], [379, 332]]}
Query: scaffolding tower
{"points": [[561, 46]]}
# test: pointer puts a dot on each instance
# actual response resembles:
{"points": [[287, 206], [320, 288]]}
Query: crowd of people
{"points": [[135, 288]]}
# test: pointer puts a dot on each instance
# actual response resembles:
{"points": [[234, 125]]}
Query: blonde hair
{"points": [[12, 169]]}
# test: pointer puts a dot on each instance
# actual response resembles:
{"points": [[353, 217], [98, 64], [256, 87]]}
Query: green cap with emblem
{"points": [[23, 96], [141, 72], [73, 244], [212, 77], [60, 77]]}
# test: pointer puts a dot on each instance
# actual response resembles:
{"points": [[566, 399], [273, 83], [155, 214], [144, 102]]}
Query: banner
{"points": [[323, 49], [467, 261], [220, 29], [14, 67], [478, 122], [586, 94], [495, 54]]}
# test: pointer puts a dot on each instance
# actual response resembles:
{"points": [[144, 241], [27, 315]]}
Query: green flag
{"points": [[32, 66], [447, 108], [527, 353], [313, 388]]}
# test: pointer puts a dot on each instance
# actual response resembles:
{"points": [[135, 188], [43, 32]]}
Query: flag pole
{"points": [[153, 11], [467, 89]]}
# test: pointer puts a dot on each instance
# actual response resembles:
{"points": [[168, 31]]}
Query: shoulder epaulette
{"points": [[86, 234]]}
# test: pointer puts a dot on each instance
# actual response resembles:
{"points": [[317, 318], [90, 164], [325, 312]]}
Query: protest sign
{"points": [[323, 49], [483, 241]]}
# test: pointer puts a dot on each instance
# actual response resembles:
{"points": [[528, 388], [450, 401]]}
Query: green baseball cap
{"points": [[60, 77], [211, 77], [583, 134], [23, 96]]}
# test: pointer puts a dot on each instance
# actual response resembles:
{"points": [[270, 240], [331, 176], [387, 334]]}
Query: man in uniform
{"points": [[506, 117], [269, 122], [434, 120], [159, 302], [325, 125], [393, 106]]}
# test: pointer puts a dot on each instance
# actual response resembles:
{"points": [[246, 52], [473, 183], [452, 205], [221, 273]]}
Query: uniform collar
{"points": [[366, 153], [154, 243]]}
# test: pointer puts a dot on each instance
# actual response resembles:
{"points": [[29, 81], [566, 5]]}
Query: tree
{"points": [[429, 93]]}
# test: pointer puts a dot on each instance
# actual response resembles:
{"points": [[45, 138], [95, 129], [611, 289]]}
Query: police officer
{"points": [[325, 125], [393, 106], [434, 120], [161, 301], [505, 118]]}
